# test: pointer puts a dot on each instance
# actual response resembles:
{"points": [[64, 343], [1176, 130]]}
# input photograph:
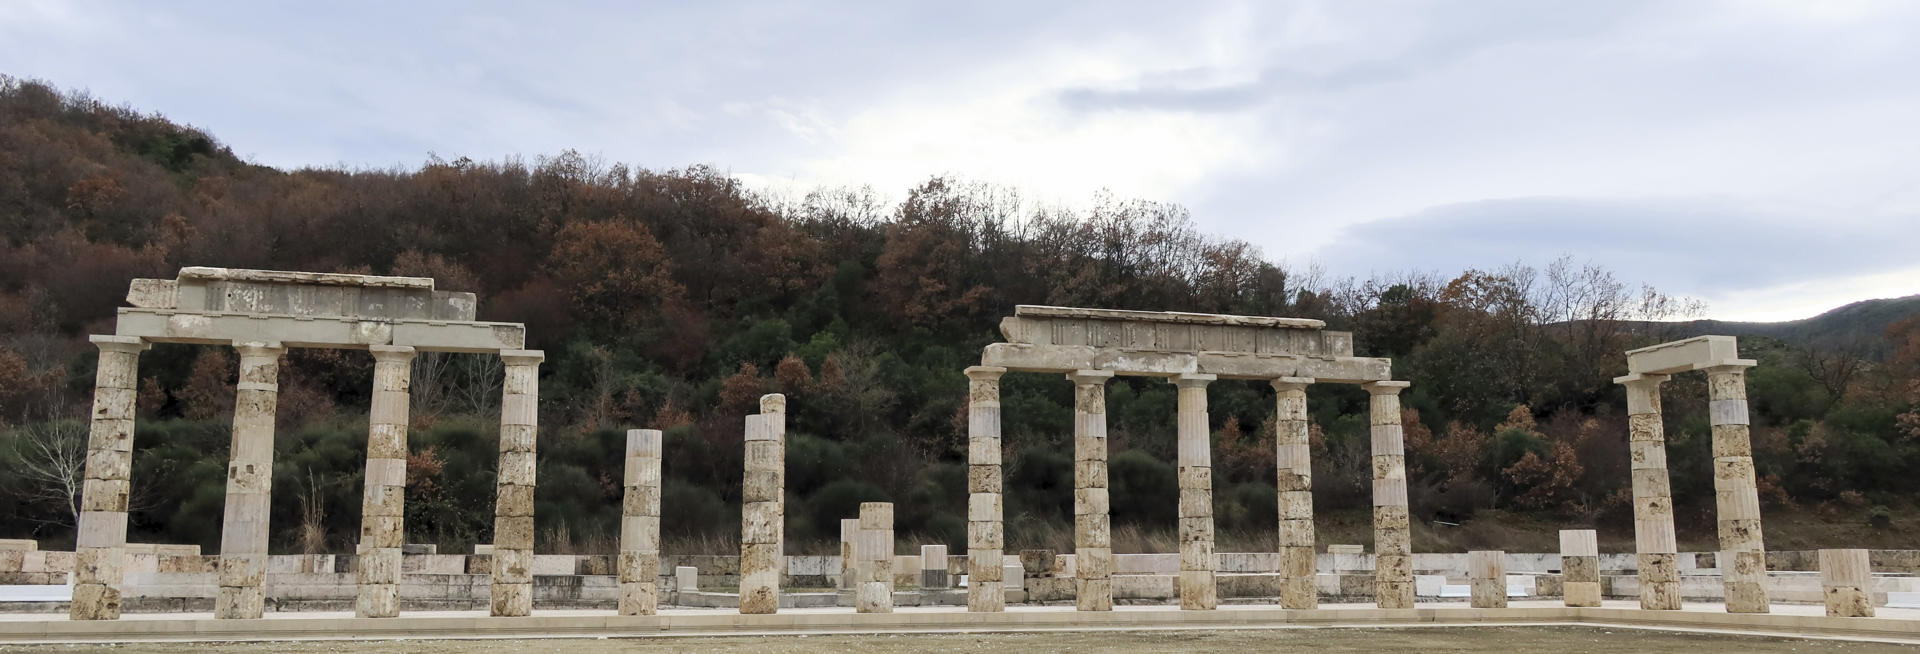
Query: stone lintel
{"points": [[1640, 378], [1023, 357], [208, 273], [220, 328], [988, 373], [1697, 353], [1042, 311]]}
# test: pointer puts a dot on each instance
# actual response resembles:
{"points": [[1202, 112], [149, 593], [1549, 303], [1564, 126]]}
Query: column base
{"points": [[986, 596], [1299, 593], [94, 602], [1581, 593], [1746, 597], [639, 598], [512, 600], [1848, 602], [1660, 595], [874, 597], [1393, 594], [239, 603], [377, 601], [1198, 591], [1093, 594]]}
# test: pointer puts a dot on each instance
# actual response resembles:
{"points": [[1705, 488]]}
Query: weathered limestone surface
{"points": [[1580, 567], [639, 565], [102, 535], [1847, 581], [1161, 343], [1197, 588], [1488, 573], [875, 551], [1392, 535], [1743, 562], [513, 506], [1652, 496], [383, 496], [986, 587], [243, 531], [1092, 530], [762, 516], [1294, 479]]}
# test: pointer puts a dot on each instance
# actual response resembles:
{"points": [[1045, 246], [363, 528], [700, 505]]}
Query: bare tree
{"points": [[52, 459]]}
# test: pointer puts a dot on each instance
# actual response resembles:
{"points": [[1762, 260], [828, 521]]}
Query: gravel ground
{"points": [[1558, 640]]}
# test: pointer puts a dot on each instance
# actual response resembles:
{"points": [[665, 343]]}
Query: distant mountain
{"points": [[1860, 325]]}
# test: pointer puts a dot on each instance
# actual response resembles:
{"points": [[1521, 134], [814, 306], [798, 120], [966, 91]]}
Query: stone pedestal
{"points": [[986, 539], [1294, 479], [1488, 572], [849, 545], [1197, 588], [1743, 556], [1652, 496], [686, 578], [933, 567], [513, 505], [1392, 535], [1092, 530], [243, 531], [1847, 580], [101, 539], [640, 525], [763, 519], [875, 551], [1580, 567], [384, 491]]}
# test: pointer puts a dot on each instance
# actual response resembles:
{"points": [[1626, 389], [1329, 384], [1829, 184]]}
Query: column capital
{"points": [[392, 353], [985, 373], [1386, 387], [1640, 379], [523, 357], [260, 349], [129, 344], [1086, 377], [1192, 380], [1291, 383], [1735, 366]]}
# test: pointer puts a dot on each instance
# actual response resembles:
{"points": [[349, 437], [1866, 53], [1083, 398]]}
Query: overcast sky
{"points": [[1764, 157]]}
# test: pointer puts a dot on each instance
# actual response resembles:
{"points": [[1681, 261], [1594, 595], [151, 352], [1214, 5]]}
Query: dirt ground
{"points": [[1559, 640]]}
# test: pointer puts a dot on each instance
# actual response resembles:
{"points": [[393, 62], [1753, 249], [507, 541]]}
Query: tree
{"points": [[51, 456]]}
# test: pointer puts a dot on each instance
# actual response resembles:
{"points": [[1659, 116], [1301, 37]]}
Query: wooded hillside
{"points": [[673, 298]]}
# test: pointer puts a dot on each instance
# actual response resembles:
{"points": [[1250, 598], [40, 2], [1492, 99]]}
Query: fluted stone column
{"points": [[1846, 579], [640, 525], [1092, 530], [101, 540], [1580, 567], [761, 516], [384, 491], [1392, 529], [1743, 557], [874, 594], [849, 559], [1197, 589], [1294, 479], [1487, 570], [513, 506], [986, 538], [243, 531], [1652, 496]]}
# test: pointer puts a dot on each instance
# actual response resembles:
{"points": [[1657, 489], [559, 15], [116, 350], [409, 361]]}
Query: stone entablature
{"points": [[303, 309], [1171, 343]]}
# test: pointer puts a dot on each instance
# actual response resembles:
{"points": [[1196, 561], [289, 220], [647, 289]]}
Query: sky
{"points": [[1761, 156]]}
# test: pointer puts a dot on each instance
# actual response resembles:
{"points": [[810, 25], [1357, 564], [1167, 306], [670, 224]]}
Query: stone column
{"points": [[986, 538], [849, 560], [101, 539], [384, 491], [1197, 589], [640, 525], [1652, 496], [1580, 567], [933, 566], [1392, 528], [513, 506], [1092, 531], [875, 592], [243, 531], [1847, 581], [1294, 479], [761, 519], [1743, 557], [1488, 571]]}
